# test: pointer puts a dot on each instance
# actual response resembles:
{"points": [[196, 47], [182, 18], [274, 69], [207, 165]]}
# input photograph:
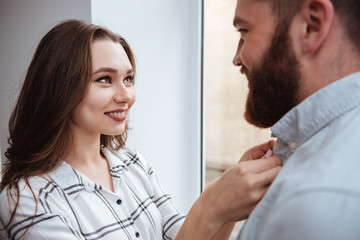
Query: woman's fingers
{"points": [[257, 151], [259, 165], [265, 178]]}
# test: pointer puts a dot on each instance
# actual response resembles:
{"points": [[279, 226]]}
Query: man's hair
{"points": [[347, 10]]}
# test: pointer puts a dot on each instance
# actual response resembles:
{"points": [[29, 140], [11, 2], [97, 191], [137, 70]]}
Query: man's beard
{"points": [[273, 85]]}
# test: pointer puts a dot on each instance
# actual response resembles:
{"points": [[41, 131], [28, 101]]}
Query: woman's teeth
{"points": [[117, 113]]}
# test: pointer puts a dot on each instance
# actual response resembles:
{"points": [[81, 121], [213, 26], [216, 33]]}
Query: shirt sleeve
{"points": [[332, 215], [172, 219], [29, 222]]}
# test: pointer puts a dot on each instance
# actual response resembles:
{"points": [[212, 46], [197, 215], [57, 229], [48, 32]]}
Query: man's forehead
{"points": [[247, 10]]}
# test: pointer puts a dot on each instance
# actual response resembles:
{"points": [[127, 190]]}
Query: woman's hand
{"points": [[234, 194]]}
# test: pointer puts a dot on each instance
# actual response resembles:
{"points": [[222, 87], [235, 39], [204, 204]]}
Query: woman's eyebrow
{"points": [[105, 69], [111, 70]]}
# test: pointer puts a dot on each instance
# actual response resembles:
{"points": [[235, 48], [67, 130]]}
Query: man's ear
{"points": [[319, 16]]}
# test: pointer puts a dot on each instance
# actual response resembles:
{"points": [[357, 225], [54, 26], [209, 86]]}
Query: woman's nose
{"points": [[122, 94]]}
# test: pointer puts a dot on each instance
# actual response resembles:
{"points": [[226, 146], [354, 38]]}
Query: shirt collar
{"points": [[116, 160], [317, 111], [72, 181]]}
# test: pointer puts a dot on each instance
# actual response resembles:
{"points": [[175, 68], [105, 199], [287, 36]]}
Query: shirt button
{"points": [[292, 145], [137, 234], [118, 201]]}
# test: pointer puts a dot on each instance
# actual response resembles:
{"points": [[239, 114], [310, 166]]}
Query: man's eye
{"points": [[105, 79], [242, 30]]}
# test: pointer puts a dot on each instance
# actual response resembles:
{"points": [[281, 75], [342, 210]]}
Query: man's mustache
{"points": [[244, 70]]}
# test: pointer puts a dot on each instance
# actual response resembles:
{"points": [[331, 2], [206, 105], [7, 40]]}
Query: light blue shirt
{"points": [[317, 193]]}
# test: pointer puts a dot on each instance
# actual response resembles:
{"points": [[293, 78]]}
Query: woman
{"points": [[69, 175]]}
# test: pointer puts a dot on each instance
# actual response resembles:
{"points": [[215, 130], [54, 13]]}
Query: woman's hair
{"points": [[56, 81]]}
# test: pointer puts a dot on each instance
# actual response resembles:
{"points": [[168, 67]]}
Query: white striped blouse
{"points": [[71, 206]]}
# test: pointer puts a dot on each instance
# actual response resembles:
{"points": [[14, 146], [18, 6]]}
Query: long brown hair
{"points": [[57, 79]]}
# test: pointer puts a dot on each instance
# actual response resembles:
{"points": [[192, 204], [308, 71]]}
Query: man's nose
{"points": [[237, 60]]}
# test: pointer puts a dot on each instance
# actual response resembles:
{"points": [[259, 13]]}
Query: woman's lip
{"points": [[116, 110], [117, 116]]}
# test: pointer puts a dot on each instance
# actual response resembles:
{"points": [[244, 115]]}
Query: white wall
{"points": [[22, 24], [166, 38]]}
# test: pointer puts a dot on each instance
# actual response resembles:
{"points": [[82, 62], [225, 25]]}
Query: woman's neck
{"points": [[86, 158], [85, 150]]}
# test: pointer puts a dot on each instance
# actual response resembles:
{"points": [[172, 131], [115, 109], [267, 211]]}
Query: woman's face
{"points": [[111, 94]]}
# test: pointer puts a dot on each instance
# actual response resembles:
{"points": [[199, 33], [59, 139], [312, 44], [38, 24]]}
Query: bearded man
{"points": [[302, 61]]}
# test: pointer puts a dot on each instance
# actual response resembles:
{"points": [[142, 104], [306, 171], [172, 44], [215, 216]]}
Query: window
{"points": [[227, 134]]}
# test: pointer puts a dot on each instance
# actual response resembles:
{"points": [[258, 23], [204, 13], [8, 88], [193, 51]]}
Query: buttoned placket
{"points": [[292, 146], [122, 205]]}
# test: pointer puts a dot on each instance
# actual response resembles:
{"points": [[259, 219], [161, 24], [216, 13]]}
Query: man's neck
{"points": [[336, 59]]}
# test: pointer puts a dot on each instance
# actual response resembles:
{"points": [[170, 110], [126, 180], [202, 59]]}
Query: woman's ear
{"points": [[319, 16]]}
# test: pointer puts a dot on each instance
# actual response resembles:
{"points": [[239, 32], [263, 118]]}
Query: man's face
{"points": [[266, 57]]}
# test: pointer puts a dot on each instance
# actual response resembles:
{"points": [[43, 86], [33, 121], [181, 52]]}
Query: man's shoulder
{"points": [[314, 213]]}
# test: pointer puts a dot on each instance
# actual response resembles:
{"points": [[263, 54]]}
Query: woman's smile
{"points": [[117, 115]]}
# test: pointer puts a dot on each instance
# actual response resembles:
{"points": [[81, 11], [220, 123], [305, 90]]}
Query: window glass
{"points": [[227, 134]]}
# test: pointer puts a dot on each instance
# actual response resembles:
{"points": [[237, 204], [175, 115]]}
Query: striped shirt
{"points": [[71, 206]]}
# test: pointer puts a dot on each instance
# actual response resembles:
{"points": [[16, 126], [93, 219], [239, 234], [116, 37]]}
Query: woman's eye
{"points": [[129, 80], [106, 80]]}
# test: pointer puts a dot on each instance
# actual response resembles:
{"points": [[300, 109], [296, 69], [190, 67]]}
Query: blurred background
{"points": [[227, 135]]}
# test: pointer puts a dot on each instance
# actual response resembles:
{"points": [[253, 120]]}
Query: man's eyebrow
{"points": [[238, 20], [111, 70]]}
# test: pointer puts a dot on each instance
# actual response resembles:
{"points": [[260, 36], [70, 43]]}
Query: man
{"points": [[302, 58]]}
